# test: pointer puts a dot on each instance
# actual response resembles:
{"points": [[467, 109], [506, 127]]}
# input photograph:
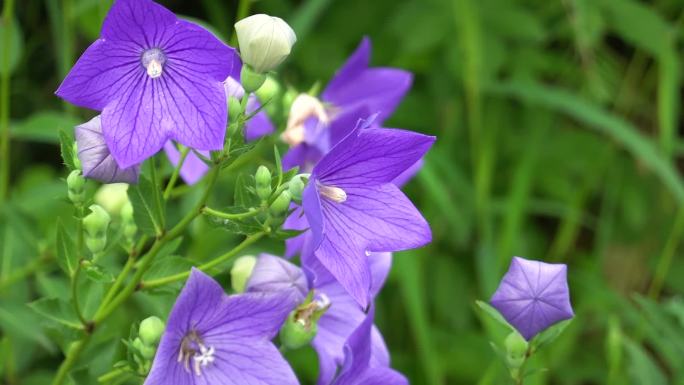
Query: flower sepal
{"points": [[301, 325]]}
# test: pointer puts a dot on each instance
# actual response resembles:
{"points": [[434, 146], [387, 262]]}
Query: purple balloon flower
{"points": [[359, 367], [155, 78], [343, 315], [353, 207], [96, 160], [355, 92], [213, 338], [533, 295], [258, 126]]}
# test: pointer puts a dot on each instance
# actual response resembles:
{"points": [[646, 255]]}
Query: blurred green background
{"points": [[558, 126]]}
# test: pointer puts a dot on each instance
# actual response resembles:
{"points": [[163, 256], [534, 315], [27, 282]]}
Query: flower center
{"points": [[153, 60], [193, 347], [332, 193], [304, 107]]}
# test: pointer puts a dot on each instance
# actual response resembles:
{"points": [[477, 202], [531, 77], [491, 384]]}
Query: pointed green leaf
{"points": [[66, 250], [97, 273], [56, 310], [66, 145], [148, 209], [493, 314]]}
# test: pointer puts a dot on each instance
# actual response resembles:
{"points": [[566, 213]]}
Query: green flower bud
{"points": [[95, 225], [241, 271], [127, 211], [234, 108], [263, 183], [297, 185], [151, 330], [297, 332], [75, 184], [516, 350], [268, 90], [112, 197], [250, 79], [146, 351], [281, 204]]}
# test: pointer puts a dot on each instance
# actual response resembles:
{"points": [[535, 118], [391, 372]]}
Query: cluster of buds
{"points": [[145, 345], [95, 225]]}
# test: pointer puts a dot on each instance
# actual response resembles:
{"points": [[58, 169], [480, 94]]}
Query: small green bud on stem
{"points": [[263, 183], [296, 186], [281, 204], [75, 184], [95, 225], [151, 330], [241, 271], [250, 79]]}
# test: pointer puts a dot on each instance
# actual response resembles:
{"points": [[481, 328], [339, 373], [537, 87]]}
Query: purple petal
{"points": [[101, 74], [178, 105], [533, 296], [193, 168], [255, 363], [140, 22], [381, 88], [371, 156], [96, 160], [275, 274]]}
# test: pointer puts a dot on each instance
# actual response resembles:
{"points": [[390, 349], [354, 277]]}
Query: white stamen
{"points": [[153, 60], [154, 69], [323, 301], [333, 193], [203, 359]]}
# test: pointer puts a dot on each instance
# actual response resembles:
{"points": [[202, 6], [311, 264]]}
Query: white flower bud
{"points": [[265, 41]]}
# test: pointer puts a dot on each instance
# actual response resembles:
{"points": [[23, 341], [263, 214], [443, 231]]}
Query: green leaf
{"points": [[241, 197], [493, 314], [549, 335], [148, 211], [643, 370], [57, 310], [279, 165], [66, 145], [44, 126], [66, 250], [169, 265], [97, 273], [16, 320], [16, 46]]}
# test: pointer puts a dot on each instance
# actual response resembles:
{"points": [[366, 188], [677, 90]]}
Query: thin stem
{"points": [[230, 216], [7, 18], [72, 355], [74, 294], [79, 229], [157, 186], [119, 280], [111, 375], [214, 262], [242, 12], [176, 171], [665, 260]]}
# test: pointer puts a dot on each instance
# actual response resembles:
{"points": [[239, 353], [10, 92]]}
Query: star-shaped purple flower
{"points": [[355, 92], [155, 78], [359, 367], [212, 338], [343, 314], [533, 295], [353, 207]]}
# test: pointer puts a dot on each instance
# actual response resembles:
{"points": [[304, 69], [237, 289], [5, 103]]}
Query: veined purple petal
{"points": [[142, 22], [533, 295], [178, 105], [96, 160], [379, 89], [101, 74], [273, 274], [371, 156]]}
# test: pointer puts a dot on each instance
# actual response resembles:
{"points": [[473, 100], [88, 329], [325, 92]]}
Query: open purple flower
{"points": [[343, 314], [213, 338], [533, 295], [353, 207], [258, 126], [355, 92], [359, 367], [96, 160], [155, 78]]}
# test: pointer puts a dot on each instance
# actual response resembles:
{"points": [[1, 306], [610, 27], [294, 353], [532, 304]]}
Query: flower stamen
{"points": [[153, 60], [332, 193], [193, 347]]}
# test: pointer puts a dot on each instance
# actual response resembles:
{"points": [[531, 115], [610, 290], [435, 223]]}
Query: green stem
{"points": [[73, 353], [79, 229], [119, 280], [111, 375], [242, 12], [665, 260], [176, 171], [74, 294], [214, 262], [220, 214], [157, 185], [7, 18]]}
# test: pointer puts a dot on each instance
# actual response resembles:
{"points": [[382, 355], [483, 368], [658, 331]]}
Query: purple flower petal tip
{"points": [[155, 78], [211, 337], [533, 295], [96, 160]]}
